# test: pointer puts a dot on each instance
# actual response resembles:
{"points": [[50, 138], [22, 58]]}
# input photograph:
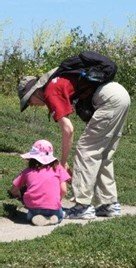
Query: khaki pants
{"points": [[93, 173]]}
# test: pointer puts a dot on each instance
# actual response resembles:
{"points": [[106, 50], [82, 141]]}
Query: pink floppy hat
{"points": [[42, 151]]}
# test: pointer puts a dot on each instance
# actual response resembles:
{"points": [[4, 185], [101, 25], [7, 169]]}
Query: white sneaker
{"points": [[109, 210], [40, 220], [80, 211]]}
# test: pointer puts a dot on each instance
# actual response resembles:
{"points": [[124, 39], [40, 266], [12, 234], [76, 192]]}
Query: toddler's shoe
{"points": [[53, 220], [40, 220]]}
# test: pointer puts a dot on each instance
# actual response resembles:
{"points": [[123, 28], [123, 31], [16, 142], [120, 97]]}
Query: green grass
{"points": [[106, 244], [97, 244]]}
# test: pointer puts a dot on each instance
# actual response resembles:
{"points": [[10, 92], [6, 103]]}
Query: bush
{"points": [[17, 62]]}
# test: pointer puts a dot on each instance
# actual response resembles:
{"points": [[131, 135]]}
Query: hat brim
{"points": [[40, 83], [45, 160]]}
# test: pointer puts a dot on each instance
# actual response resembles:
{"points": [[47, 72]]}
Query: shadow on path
{"points": [[15, 215]]}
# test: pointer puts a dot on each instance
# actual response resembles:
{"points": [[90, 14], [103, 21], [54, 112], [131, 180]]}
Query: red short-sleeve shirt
{"points": [[57, 96]]}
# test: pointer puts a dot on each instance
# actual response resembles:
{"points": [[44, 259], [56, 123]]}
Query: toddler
{"points": [[45, 181]]}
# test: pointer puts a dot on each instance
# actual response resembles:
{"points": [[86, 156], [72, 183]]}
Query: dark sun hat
{"points": [[29, 84]]}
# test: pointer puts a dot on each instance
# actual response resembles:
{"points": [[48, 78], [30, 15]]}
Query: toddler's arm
{"points": [[63, 188], [14, 192]]}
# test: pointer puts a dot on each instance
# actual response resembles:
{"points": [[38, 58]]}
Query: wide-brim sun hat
{"points": [[29, 84], [42, 151]]}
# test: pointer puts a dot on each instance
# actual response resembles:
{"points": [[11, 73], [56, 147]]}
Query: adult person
{"points": [[93, 174]]}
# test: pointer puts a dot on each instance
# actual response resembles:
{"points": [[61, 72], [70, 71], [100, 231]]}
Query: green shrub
{"points": [[18, 61]]}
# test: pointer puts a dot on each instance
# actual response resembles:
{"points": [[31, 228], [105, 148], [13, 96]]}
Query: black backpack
{"points": [[92, 70]]}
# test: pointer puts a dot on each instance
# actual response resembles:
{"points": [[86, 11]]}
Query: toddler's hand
{"points": [[10, 195]]}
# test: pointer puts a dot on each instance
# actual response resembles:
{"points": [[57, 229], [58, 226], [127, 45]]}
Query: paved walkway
{"points": [[18, 229]]}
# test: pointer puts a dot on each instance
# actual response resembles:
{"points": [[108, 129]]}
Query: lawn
{"points": [[98, 244]]}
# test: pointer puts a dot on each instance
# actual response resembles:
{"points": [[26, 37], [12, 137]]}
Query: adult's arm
{"points": [[67, 139]]}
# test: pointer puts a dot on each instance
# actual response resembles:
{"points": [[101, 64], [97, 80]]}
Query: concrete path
{"points": [[18, 229]]}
